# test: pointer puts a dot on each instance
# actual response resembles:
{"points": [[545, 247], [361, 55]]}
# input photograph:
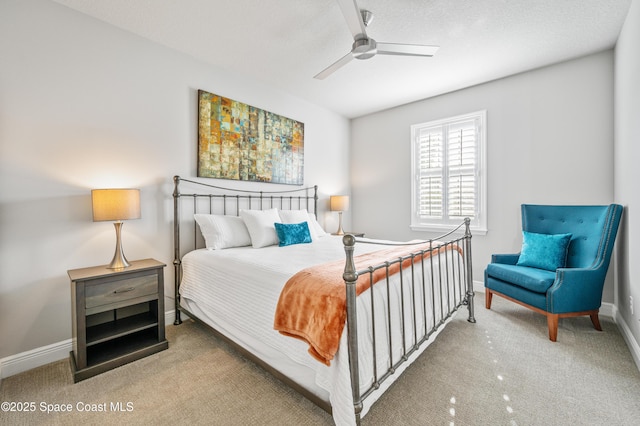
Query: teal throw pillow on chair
{"points": [[544, 251]]}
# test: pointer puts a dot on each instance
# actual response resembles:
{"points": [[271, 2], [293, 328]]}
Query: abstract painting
{"points": [[241, 142]]}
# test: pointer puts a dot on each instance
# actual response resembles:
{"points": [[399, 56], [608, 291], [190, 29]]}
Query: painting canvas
{"points": [[241, 142]]}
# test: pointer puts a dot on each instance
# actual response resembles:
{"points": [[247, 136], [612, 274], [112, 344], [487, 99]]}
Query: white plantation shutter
{"points": [[431, 166], [462, 161], [448, 172]]}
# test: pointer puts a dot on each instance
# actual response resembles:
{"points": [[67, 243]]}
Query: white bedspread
{"points": [[236, 292]]}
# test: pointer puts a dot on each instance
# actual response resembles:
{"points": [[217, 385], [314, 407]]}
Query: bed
{"points": [[340, 342]]}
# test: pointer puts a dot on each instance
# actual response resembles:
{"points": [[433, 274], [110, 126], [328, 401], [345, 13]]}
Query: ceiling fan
{"points": [[364, 47]]}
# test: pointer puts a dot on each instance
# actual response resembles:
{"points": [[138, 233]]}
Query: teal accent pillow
{"points": [[293, 233], [544, 251]]}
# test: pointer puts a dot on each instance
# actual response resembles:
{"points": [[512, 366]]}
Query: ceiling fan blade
{"points": [[406, 49], [334, 67], [352, 15]]}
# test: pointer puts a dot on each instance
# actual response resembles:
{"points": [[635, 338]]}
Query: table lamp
{"points": [[116, 205], [339, 203]]}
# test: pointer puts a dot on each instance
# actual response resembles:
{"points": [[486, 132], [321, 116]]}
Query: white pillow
{"points": [[221, 232], [260, 224], [298, 216], [316, 226]]}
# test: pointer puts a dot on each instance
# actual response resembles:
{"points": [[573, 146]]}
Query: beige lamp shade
{"points": [[115, 204], [339, 203]]}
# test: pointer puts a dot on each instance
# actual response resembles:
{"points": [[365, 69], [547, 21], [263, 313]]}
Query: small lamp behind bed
{"points": [[116, 205], [339, 203]]}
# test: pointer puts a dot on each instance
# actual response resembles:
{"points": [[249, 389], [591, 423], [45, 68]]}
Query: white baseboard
{"points": [[24, 361], [37, 357], [606, 309], [170, 317], [478, 286], [632, 343]]}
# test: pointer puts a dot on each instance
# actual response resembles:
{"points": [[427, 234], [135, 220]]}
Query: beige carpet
{"points": [[502, 370]]}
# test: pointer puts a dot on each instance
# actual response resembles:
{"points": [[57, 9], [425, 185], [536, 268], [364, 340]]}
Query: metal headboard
{"points": [[221, 200]]}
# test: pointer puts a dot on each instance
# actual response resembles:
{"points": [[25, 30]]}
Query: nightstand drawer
{"points": [[118, 291]]}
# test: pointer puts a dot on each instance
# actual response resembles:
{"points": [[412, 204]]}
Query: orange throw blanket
{"points": [[312, 305]]}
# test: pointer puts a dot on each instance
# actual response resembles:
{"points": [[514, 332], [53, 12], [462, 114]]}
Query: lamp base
{"points": [[340, 231], [118, 261]]}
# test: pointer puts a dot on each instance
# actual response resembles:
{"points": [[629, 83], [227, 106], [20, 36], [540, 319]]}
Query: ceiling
{"points": [[284, 43]]}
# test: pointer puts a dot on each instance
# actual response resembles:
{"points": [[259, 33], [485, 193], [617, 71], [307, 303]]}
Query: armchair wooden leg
{"points": [[596, 321], [552, 322], [487, 298]]}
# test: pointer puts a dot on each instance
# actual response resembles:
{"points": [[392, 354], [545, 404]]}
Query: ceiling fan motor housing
{"points": [[364, 48]]}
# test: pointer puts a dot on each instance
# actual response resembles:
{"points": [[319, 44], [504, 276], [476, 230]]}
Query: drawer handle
{"points": [[124, 290]]}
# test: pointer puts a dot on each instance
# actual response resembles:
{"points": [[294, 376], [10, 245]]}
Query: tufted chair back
{"points": [[593, 228]]}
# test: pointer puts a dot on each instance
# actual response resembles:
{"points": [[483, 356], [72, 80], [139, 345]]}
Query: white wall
{"points": [[550, 141], [627, 174], [85, 105]]}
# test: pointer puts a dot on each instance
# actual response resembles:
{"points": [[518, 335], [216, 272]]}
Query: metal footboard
{"points": [[443, 272]]}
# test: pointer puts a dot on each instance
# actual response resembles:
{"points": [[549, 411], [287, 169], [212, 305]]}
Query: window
{"points": [[449, 173]]}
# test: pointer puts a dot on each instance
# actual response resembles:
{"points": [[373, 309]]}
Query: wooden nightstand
{"points": [[117, 316]]}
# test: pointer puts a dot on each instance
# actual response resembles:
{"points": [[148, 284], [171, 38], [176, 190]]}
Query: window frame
{"points": [[478, 223]]}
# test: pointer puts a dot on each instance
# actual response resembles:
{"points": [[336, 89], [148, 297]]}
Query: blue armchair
{"points": [[561, 269]]}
